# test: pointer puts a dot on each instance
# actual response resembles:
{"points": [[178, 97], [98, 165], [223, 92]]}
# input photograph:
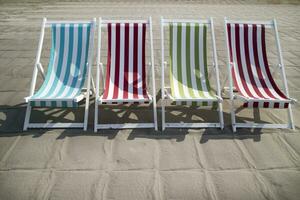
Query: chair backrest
{"points": [[126, 71], [188, 60], [249, 64], [68, 60]]}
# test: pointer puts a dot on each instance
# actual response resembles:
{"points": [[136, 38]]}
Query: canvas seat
{"points": [[67, 71], [126, 71], [250, 72], [188, 71]]}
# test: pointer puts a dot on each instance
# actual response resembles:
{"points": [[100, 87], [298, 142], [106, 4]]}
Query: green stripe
{"points": [[188, 60], [178, 56], [214, 105], [200, 39], [205, 60]]}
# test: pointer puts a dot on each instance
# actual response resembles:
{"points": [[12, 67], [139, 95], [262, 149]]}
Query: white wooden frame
{"points": [[164, 93], [100, 75], [38, 67], [268, 24]]}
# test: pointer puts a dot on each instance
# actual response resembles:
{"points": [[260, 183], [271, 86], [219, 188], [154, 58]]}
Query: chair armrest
{"points": [[41, 69]]}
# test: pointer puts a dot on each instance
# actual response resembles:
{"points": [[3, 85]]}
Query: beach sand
{"points": [[144, 164]]}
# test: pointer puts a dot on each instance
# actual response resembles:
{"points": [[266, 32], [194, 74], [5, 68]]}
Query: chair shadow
{"points": [[12, 119]]}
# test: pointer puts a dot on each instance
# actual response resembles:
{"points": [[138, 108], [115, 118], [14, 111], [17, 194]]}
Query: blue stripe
{"points": [[78, 60], [80, 70], [64, 104], [86, 57], [69, 61]]}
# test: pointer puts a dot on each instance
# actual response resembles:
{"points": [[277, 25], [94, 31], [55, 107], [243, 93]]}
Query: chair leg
{"points": [[163, 114], [93, 86], [96, 116], [27, 117], [221, 118], [290, 117], [86, 112], [233, 122], [155, 114]]}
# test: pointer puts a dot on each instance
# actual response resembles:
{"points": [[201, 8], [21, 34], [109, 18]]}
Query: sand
{"points": [[143, 164]]}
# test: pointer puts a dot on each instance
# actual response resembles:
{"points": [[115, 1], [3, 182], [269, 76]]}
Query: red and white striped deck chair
{"points": [[250, 73], [126, 73]]}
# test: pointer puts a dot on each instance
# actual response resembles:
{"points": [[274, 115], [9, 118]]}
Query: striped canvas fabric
{"points": [[249, 66], [126, 70], [188, 61], [67, 66]]}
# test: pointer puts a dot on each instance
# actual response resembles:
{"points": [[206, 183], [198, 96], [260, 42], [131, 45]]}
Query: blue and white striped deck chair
{"points": [[69, 67]]}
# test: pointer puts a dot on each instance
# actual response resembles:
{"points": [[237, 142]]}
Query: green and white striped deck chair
{"points": [[189, 81], [68, 69]]}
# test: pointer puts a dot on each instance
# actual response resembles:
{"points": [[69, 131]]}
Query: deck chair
{"points": [[188, 72], [126, 73], [250, 73], [68, 69]]}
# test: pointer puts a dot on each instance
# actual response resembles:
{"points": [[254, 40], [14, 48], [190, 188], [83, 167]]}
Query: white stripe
{"points": [[281, 105], [69, 104], [59, 103], [73, 63], [60, 79], [48, 103], [121, 62], [252, 61], [250, 104], [140, 72], [271, 104], [130, 70], [237, 73], [243, 62], [261, 62], [112, 62], [183, 61], [174, 62], [54, 69]]}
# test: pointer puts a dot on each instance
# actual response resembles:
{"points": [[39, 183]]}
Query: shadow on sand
{"points": [[11, 122]]}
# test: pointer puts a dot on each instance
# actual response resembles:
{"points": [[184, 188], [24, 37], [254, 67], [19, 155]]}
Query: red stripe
{"points": [[143, 63], [258, 67], [231, 58], [266, 105], [126, 61], [135, 61], [264, 52], [117, 63], [248, 63], [239, 62], [108, 62]]}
